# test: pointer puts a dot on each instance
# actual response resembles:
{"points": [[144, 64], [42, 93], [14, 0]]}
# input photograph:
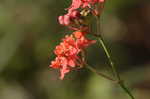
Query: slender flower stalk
{"points": [[99, 73], [120, 82], [113, 67]]}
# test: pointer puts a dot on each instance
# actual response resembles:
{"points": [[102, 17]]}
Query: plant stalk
{"points": [[99, 73], [113, 67]]}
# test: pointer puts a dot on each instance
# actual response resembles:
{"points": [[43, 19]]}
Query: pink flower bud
{"points": [[66, 20], [74, 14], [61, 20], [101, 1]]}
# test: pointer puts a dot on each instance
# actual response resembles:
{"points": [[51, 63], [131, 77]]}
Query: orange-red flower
{"points": [[67, 18], [74, 13], [83, 3], [68, 50]]}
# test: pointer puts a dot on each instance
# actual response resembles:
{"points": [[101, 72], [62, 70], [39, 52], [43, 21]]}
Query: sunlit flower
{"points": [[67, 18], [83, 3], [68, 50]]}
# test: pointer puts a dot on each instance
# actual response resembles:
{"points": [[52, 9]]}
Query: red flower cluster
{"points": [[83, 3], [74, 13], [66, 19], [68, 52]]}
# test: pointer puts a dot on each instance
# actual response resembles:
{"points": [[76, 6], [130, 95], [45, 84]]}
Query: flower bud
{"points": [[66, 20], [61, 20]]}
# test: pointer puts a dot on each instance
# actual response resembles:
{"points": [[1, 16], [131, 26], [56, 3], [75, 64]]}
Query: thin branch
{"points": [[113, 67], [99, 73]]}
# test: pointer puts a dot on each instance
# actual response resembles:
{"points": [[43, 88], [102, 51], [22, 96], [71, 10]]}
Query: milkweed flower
{"points": [[68, 18], [83, 3], [75, 14], [67, 52]]}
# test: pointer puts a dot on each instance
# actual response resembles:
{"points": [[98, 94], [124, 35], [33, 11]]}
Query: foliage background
{"points": [[29, 32]]}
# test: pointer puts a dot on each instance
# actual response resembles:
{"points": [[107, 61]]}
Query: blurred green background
{"points": [[29, 32]]}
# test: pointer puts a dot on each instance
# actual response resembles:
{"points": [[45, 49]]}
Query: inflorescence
{"points": [[68, 52]]}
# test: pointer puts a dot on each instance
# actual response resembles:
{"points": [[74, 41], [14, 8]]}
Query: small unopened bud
{"points": [[66, 20], [74, 14], [61, 20]]}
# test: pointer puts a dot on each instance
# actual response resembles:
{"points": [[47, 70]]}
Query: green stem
{"points": [[122, 85], [113, 67], [120, 82], [116, 74], [99, 73]]}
